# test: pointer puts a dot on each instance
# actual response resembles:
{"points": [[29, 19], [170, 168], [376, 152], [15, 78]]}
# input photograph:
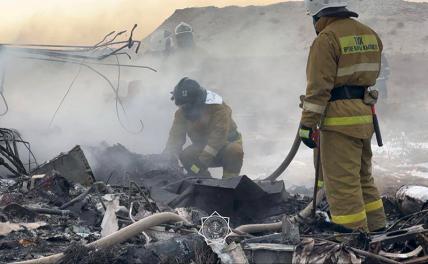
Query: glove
{"points": [[198, 167], [309, 136], [195, 169]]}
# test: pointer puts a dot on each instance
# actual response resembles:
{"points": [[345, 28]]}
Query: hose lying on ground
{"points": [[117, 237], [257, 228], [307, 211], [299, 218]]}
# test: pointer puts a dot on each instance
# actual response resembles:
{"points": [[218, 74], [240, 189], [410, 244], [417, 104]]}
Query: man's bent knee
{"points": [[232, 160]]}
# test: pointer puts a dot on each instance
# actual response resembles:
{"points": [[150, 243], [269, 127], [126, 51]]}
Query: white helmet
{"points": [[315, 6], [183, 28]]}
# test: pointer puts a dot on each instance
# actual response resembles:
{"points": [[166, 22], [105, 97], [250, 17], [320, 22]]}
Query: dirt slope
{"points": [[283, 28]]}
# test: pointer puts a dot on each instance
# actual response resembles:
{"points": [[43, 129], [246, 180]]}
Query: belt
{"points": [[347, 92]]}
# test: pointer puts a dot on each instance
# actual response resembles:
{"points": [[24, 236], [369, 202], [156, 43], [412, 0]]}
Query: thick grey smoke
{"points": [[87, 116], [255, 57]]}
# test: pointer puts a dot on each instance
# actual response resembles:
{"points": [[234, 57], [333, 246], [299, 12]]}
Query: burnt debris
{"points": [[131, 208]]}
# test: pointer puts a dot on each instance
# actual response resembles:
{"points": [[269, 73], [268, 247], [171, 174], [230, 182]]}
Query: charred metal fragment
{"points": [[78, 253], [72, 165], [176, 250], [269, 253], [53, 188], [101, 50], [316, 251], [402, 244], [239, 198]]}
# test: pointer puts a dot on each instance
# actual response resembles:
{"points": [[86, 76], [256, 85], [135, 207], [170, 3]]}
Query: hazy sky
{"points": [[77, 21]]}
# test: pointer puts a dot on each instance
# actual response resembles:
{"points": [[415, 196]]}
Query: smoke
{"points": [[243, 54], [88, 114], [257, 89]]}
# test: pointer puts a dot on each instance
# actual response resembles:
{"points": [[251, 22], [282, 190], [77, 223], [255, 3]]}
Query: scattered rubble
{"points": [[11, 143], [73, 165], [144, 209], [7, 228], [412, 199]]}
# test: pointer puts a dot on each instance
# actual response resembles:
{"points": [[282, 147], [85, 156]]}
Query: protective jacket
{"points": [[213, 131], [345, 53]]}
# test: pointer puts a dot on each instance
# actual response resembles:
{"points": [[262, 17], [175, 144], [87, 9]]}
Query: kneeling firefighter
{"points": [[207, 121], [344, 61]]}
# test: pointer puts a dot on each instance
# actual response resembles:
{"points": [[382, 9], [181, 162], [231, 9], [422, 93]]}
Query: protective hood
{"points": [[337, 12], [213, 98]]}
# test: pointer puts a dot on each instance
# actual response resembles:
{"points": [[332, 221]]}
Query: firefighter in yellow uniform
{"points": [[207, 121], [344, 61]]}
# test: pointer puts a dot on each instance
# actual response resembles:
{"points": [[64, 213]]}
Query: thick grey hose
{"points": [[117, 237], [306, 213], [257, 228], [299, 218], [50, 211], [284, 165], [78, 198]]}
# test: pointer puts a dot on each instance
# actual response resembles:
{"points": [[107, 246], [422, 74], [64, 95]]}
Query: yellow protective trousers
{"points": [[230, 157], [353, 198]]}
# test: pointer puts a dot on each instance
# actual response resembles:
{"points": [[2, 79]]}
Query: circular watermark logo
{"points": [[215, 228]]}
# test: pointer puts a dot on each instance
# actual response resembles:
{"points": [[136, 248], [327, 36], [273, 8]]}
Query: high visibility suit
{"points": [[345, 53], [214, 136]]}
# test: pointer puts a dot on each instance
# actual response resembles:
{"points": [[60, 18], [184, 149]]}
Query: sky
{"points": [[86, 21]]}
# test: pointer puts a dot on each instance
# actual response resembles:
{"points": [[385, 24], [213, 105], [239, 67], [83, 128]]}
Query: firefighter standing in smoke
{"points": [[207, 120], [344, 61]]}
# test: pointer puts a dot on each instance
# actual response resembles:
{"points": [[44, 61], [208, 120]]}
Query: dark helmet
{"points": [[188, 92]]}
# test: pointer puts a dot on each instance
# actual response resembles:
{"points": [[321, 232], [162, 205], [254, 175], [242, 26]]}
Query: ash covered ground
{"points": [[52, 213]]}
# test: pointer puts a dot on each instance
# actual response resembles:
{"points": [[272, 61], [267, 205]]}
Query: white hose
{"points": [[117, 237], [304, 214], [148, 239]]}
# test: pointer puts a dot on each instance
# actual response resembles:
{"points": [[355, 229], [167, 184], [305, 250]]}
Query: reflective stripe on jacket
{"points": [[346, 52]]}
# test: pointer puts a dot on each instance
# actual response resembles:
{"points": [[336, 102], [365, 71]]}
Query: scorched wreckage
{"points": [[167, 208]]}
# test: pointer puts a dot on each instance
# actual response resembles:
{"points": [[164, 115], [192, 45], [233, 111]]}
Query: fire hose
{"points": [[117, 237], [296, 144], [288, 159], [299, 218]]}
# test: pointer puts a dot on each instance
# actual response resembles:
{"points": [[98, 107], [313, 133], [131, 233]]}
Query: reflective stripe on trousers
{"points": [[373, 206], [349, 219], [358, 217]]}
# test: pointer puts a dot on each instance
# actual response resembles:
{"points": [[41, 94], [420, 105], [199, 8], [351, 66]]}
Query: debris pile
{"points": [[143, 209], [10, 160]]}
